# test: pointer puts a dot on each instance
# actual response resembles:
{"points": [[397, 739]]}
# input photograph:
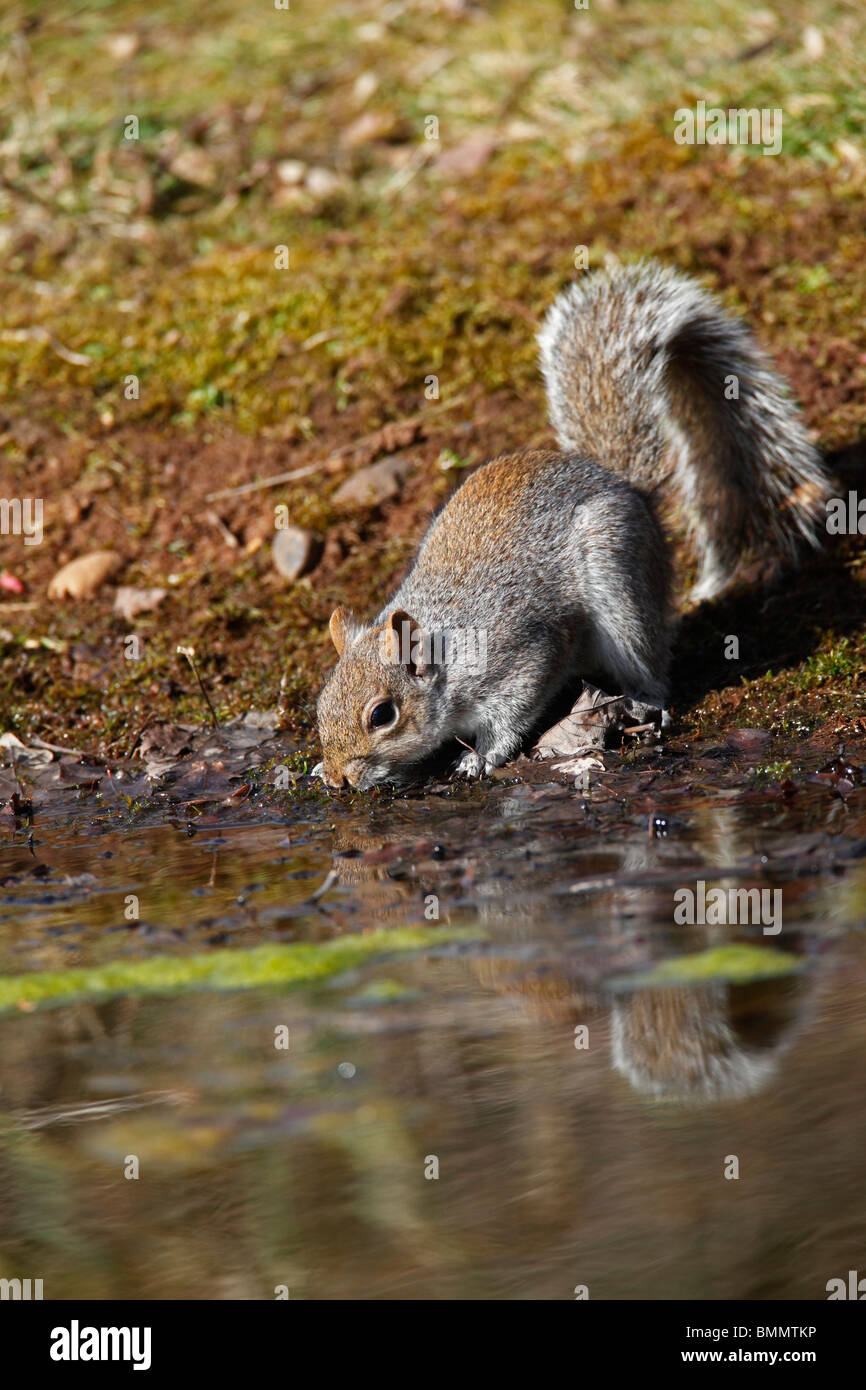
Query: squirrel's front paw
{"points": [[471, 764]]}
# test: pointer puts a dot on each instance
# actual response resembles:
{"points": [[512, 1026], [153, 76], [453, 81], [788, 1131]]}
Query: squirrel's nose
{"points": [[336, 780]]}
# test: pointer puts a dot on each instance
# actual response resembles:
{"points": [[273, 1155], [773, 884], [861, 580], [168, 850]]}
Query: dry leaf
{"points": [[15, 752], [128, 602], [583, 728], [467, 158], [813, 43], [194, 165], [372, 486], [82, 577]]}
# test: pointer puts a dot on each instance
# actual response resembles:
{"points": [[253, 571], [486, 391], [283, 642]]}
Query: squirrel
{"points": [[557, 561]]}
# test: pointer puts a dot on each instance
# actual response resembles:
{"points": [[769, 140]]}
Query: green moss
{"points": [[774, 772], [840, 661], [197, 308]]}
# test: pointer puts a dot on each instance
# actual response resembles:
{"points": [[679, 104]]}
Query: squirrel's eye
{"points": [[383, 713]]}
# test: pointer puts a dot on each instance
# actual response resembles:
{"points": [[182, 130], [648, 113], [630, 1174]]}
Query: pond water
{"points": [[529, 1077]]}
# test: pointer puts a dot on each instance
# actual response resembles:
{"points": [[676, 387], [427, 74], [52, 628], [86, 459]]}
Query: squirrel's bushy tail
{"points": [[648, 375]]}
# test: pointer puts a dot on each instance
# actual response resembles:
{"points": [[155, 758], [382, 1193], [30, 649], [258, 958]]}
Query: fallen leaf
{"points": [[813, 43], [749, 740], [369, 487], [581, 769], [121, 46], [82, 577], [193, 165], [584, 727], [169, 739], [20, 753], [291, 172], [369, 127], [467, 158], [129, 602], [323, 182]]}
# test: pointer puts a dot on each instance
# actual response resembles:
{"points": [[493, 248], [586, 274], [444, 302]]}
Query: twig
{"points": [[228, 536], [111, 783], [610, 791], [263, 483], [13, 762], [330, 879], [41, 335], [94, 1109], [754, 50], [190, 656], [467, 745], [29, 194], [326, 335], [275, 479], [137, 739], [403, 177], [67, 752]]}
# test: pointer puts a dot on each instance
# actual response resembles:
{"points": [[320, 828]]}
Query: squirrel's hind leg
{"points": [[623, 579]]}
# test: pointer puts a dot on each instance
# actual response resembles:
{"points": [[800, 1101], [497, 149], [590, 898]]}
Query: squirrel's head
{"points": [[379, 712]]}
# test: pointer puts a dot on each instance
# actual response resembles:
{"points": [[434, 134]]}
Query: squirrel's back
{"points": [[510, 538]]}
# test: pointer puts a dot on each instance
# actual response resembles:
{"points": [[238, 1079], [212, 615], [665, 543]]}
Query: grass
{"points": [[145, 273]]}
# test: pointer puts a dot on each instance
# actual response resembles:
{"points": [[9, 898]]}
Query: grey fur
{"points": [[652, 340], [544, 595], [560, 556]]}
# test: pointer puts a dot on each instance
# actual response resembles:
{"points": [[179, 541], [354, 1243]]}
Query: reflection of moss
{"points": [[739, 964], [297, 964]]}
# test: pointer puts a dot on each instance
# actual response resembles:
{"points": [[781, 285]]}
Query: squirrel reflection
{"points": [[684, 1044]]}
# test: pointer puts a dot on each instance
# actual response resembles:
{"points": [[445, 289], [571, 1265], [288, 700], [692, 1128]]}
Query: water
{"points": [[264, 1167]]}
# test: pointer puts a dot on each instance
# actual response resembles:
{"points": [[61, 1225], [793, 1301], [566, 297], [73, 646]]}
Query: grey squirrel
{"points": [[558, 558]]}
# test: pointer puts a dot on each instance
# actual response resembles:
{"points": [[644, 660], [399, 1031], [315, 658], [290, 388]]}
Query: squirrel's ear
{"points": [[404, 644], [343, 629]]}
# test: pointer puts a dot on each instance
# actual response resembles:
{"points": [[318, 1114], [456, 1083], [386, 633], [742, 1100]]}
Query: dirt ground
{"points": [[407, 262]]}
